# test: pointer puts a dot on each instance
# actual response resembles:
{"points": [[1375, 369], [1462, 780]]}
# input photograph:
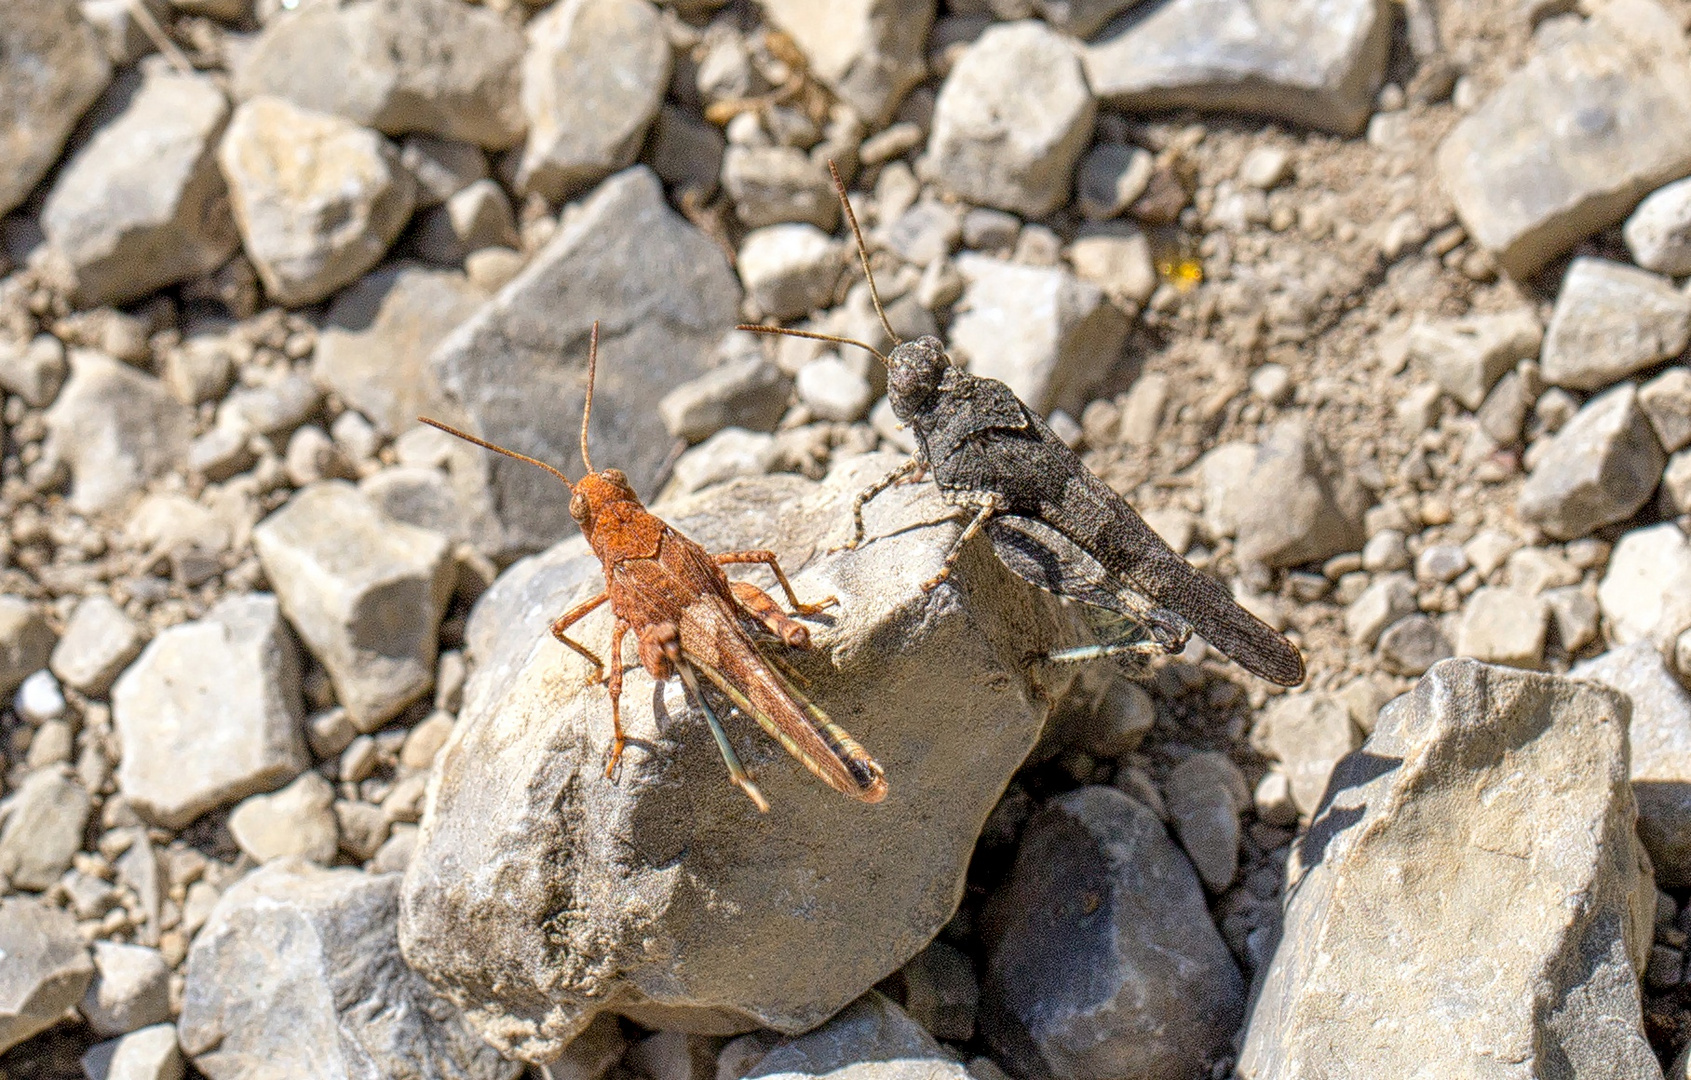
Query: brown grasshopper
{"points": [[686, 614]]}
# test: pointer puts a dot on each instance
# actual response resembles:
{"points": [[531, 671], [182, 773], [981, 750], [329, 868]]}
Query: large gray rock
{"points": [[52, 67], [42, 828], [374, 350], [142, 205], [592, 79], [1570, 143], [297, 973], [210, 713], [1610, 321], [438, 66], [663, 294], [1600, 468], [318, 199], [1105, 962], [1470, 900], [1288, 500], [1315, 62], [364, 591], [46, 970], [1012, 142], [732, 921], [870, 1036], [116, 429], [868, 52], [1048, 335], [1660, 741]]}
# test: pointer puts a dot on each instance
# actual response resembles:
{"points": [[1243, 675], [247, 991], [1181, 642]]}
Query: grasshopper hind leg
{"points": [[1131, 640]]}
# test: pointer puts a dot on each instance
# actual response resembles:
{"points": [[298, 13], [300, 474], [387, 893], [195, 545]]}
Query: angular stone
{"points": [[663, 293], [43, 823], [26, 641], [1571, 142], [1112, 176], [210, 713], [868, 52], [940, 991], [1307, 734], [117, 429], [1503, 626], [772, 184], [871, 1036], [318, 199], [1610, 321], [365, 593], [34, 369], [297, 820], [1645, 593], [298, 971], [746, 391], [789, 270], [1204, 796], [1600, 468], [1467, 356], [1505, 793], [834, 388], [148, 1054], [730, 453], [436, 66], [1676, 483], [1106, 963], [46, 970], [142, 204], [1117, 258], [131, 989], [1045, 333], [99, 642], [1316, 63], [1660, 740], [1387, 599], [374, 349], [1012, 143], [477, 217], [1666, 401], [1412, 645], [54, 67], [592, 80], [1658, 233], [740, 960], [1287, 500]]}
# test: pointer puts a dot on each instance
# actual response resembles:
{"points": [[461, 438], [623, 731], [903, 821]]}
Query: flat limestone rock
{"points": [[542, 894], [1315, 62], [1571, 142], [297, 973], [663, 294], [1470, 901], [116, 428], [47, 968]]}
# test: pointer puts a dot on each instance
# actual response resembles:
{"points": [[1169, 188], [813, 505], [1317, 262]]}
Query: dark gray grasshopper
{"points": [[1050, 519]]}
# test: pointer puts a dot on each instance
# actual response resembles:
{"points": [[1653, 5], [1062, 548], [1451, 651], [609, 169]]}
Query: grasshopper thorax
{"points": [[914, 371]]}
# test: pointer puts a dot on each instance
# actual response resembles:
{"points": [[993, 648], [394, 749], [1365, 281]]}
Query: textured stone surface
{"points": [[1467, 356], [663, 295], [477, 217], [46, 970], [33, 368], [116, 429], [298, 973], [724, 923], [442, 67], [1503, 626], [43, 822], [871, 1036], [374, 350], [1204, 796], [100, 640], [1610, 321], [1645, 593], [53, 69], [1666, 401], [318, 199], [868, 52], [1286, 499], [592, 80], [1599, 469], [1106, 963], [142, 204], [364, 591], [210, 713], [131, 989], [1658, 233], [1315, 63], [1504, 795], [772, 184], [1573, 140], [789, 270], [298, 820], [1307, 734], [744, 391], [1040, 330], [1012, 143], [148, 1054]]}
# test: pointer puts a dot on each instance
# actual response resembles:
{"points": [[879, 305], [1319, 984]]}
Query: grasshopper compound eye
{"points": [[579, 508]]}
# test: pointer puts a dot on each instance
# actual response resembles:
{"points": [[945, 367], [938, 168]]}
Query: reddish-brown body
{"points": [[684, 613]]}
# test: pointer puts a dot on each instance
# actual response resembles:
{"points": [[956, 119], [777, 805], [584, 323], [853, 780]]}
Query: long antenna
{"points": [[485, 445], [587, 406], [862, 254], [753, 328]]}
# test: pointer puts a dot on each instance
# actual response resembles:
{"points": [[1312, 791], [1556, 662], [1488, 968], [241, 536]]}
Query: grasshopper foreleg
{"points": [[863, 498], [767, 558], [575, 615]]}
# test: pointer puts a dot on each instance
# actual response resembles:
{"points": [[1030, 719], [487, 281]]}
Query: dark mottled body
{"points": [[1055, 522]]}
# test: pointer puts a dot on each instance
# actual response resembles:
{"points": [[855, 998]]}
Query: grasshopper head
{"points": [[596, 491], [914, 371]]}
